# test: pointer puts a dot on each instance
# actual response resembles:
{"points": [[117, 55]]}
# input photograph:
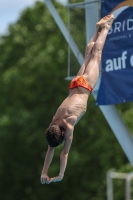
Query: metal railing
{"points": [[117, 175]]}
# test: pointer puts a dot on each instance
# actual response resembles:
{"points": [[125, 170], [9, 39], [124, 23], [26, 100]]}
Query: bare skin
{"points": [[74, 106]]}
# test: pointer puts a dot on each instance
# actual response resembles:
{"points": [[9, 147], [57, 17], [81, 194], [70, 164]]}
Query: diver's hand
{"points": [[56, 179], [44, 179]]}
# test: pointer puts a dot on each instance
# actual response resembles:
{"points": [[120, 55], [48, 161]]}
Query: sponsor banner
{"points": [[117, 58]]}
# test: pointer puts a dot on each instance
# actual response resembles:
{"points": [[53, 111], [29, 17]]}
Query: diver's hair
{"points": [[54, 135]]}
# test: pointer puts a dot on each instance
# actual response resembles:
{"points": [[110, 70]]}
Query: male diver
{"points": [[74, 106]]}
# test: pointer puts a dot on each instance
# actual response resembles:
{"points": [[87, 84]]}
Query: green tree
{"points": [[33, 66]]}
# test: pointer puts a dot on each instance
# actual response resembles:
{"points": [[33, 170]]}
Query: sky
{"points": [[10, 11]]}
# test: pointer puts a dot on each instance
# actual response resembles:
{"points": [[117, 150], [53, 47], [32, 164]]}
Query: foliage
{"points": [[32, 70]]}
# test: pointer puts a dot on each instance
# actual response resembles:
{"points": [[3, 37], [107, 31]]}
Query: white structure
{"points": [[110, 112], [116, 175]]}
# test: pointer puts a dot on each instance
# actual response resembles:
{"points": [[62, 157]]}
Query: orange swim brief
{"points": [[79, 81]]}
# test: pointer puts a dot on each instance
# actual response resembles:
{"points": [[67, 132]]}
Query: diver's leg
{"points": [[92, 69], [91, 44], [88, 53]]}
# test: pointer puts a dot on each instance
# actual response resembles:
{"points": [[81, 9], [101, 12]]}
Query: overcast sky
{"points": [[10, 11]]}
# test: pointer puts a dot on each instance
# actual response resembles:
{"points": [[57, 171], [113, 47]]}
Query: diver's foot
{"points": [[105, 22]]}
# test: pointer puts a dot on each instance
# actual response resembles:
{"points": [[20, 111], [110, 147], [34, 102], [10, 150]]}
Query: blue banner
{"points": [[117, 58]]}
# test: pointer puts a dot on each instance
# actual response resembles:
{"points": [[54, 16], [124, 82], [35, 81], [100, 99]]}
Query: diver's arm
{"points": [[64, 156], [47, 162]]}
